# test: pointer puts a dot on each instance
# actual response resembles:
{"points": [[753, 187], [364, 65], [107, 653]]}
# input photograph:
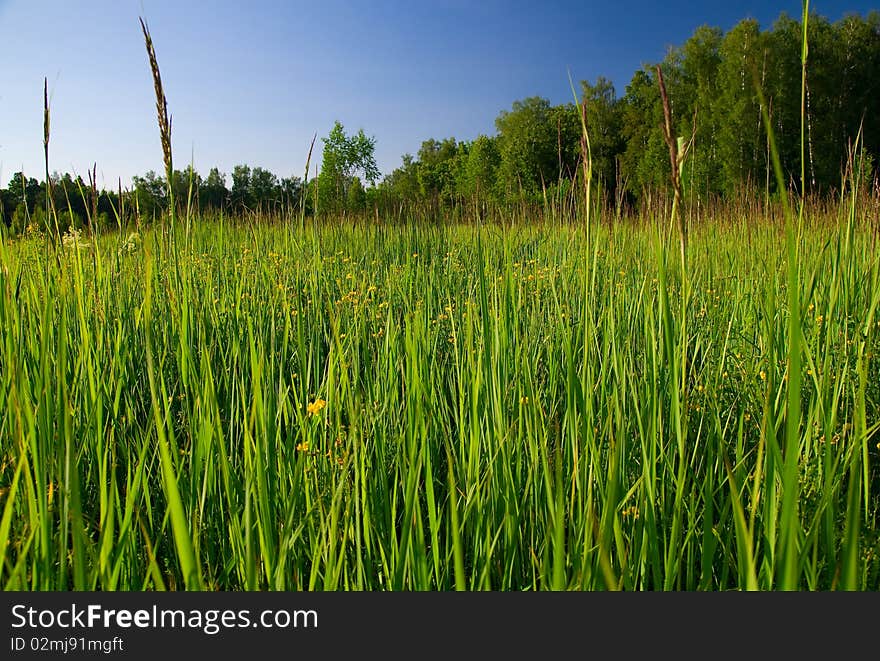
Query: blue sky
{"points": [[251, 82]]}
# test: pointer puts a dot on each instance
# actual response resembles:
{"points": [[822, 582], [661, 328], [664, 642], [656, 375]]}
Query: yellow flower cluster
{"points": [[314, 408]]}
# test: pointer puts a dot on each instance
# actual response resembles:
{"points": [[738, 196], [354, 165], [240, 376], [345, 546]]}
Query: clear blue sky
{"points": [[251, 82]]}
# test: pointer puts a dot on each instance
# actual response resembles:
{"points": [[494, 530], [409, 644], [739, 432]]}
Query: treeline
{"points": [[77, 204], [25, 203], [250, 189], [715, 83]]}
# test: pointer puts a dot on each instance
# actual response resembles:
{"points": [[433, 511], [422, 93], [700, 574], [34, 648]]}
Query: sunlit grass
{"points": [[416, 407]]}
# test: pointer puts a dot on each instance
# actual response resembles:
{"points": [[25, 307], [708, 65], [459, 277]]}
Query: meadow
{"points": [[407, 406]]}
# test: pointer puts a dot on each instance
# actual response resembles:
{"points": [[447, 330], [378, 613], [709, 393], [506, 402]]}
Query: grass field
{"points": [[369, 406]]}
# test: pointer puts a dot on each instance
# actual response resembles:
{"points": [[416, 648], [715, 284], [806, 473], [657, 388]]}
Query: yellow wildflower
{"points": [[315, 407]]}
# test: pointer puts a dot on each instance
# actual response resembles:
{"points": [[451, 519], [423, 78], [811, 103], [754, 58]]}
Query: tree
{"points": [[480, 173], [604, 129], [437, 169], [782, 89], [645, 160], [264, 189], [400, 187], [699, 61], [344, 157], [182, 182], [214, 194], [150, 193], [741, 136], [527, 141], [24, 189], [241, 188], [859, 44], [356, 197], [827, 88], [291, 192]]}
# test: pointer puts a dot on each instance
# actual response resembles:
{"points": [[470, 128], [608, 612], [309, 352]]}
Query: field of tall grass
{"points": [[511, 407]]}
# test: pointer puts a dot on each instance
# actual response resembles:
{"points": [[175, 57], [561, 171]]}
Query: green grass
{"points": [[506, 408]]}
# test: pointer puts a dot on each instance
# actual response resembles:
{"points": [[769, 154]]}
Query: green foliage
{"points": [[356, 197], [480, 172], [645, 160], [741, 141], [700, 58], [150, 193], [344, 157], [264, 189], [23, 189], [711, 81], [67, 221], [528, 145], [213, 192], [20, 219], [255, 189], [241, 188], [438, 167], [604, 123]]}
